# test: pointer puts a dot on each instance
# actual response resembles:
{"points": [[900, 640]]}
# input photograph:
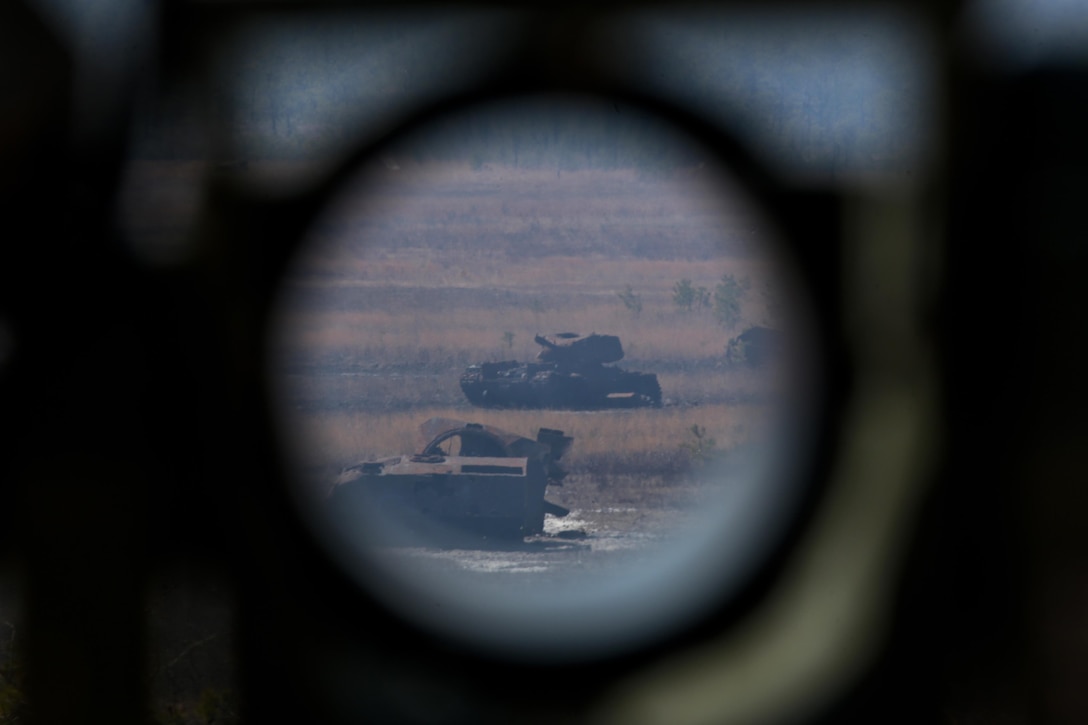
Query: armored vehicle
{"points": [[470, 478], [755, 347], [571, 372]]}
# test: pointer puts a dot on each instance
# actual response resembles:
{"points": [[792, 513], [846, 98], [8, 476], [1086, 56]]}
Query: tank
{"points": [[572, 372], [755, 347], [469, 479]]}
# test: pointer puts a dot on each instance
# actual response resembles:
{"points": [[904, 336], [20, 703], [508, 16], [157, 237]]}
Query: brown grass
{"points": [[441, 264], [340, 438], [398, 336]]}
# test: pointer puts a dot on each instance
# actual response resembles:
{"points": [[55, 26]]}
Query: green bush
{"points": [[683, 294]]}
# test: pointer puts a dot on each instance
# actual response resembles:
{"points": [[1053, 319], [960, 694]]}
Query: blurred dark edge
{"points": [[112, 365]]}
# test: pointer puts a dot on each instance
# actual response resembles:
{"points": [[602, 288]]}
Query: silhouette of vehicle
{"points": [[755, 347], [571, 372], [469, 478]]}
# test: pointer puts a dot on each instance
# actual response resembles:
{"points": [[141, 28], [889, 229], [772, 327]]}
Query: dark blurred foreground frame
{"points": [[137, 434]]}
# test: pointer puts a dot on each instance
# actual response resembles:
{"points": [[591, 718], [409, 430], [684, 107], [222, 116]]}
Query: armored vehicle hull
{"points": [[470, 479], [545, 385], [755, 347], [571, 374]]}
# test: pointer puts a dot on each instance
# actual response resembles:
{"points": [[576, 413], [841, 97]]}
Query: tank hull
{"points": [[471, 480], [512, 384], [506, 501]]}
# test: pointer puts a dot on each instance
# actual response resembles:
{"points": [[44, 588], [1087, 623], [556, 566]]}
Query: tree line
{"points": [[724, 302]]}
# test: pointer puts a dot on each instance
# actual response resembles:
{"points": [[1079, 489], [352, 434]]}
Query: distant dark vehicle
{"points": [[755, 347], [571, 373], [470, 478]]}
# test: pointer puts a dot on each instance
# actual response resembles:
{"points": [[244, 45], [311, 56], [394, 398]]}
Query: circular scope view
{"points": [[544, 379]]}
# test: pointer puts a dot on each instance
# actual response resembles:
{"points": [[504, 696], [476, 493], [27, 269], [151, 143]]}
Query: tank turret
{"points": [[570, 348]]}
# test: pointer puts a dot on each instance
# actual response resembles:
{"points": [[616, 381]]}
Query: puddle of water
{"points": [[570, 522]]}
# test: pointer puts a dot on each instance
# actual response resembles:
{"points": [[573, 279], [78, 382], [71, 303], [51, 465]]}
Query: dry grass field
{"points": [[414, 274]]}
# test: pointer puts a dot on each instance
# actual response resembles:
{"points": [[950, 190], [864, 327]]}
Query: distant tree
{"points": [[729, 297], [689, 297], [702, 297], [683, 294], [631, 300]]}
